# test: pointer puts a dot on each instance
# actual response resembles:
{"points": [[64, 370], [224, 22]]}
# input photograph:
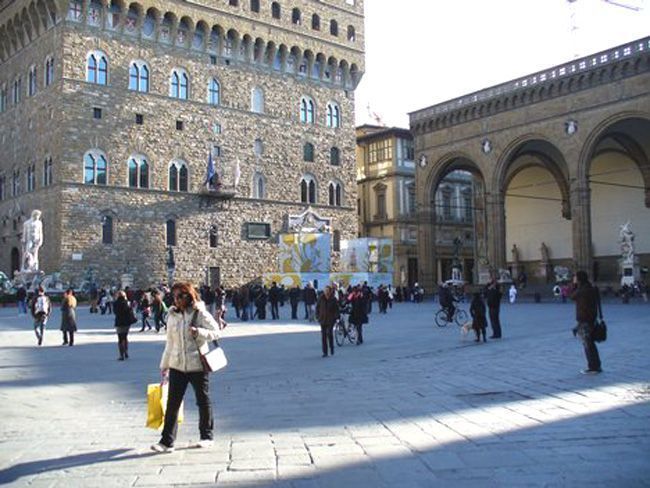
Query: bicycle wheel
{"points": [[339, 333], [352, 334], [441, 318], [460, 317]]}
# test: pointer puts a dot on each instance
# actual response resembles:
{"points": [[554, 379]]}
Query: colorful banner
{"points": [[321, 280], [367, 255], [304, 253]]}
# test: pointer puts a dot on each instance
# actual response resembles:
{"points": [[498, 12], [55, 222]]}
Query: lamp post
{"points": [[171, 265]]}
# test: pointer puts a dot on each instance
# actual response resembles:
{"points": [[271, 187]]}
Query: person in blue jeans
{"points": [[21, 296]]}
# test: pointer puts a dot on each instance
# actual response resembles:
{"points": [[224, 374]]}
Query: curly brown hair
{"points": [[186, 290]]}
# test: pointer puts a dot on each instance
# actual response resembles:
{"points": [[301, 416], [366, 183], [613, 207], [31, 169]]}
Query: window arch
{"points": [[49, 70], [335, 193], [308, 189], [17, 90], [352, 36], [47, 171], [307, 110], [95, 168], [315, 22], [333, 118], [107, 229], [335, 156], [257, 100], [33, 79], [336, 241], [214, 92], [308, 152], [139, 76], [276, 10], [138, 167], [3, 98], [296, 16], [30, 177], [179, 84], [97, 68], [334, 28], [259, 186], [178, 176], [170, 232]]}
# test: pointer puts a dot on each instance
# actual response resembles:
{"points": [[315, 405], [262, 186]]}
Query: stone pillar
{"points": [[581, 225], [496, 229], [427, 250]]}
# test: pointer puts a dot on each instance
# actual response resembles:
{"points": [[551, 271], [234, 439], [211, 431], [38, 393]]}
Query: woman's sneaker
{"points": [[205, 444], [160, 447]]}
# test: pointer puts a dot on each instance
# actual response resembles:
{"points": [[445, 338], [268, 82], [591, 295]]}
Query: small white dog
{"points": [[465, 329]]}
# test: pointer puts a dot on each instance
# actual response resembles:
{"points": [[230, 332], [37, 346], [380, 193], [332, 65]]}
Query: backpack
{"points": [[41, 305]]}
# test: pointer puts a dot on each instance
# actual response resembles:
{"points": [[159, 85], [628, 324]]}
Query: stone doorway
{"points": [[214, 277]]}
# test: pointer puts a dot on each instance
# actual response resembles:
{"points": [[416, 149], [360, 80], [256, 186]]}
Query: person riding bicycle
{"points": [[446, 300]]}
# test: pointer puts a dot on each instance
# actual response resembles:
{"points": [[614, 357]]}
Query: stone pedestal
{"points": [[544, 272], [484, 274], [630, 271]]}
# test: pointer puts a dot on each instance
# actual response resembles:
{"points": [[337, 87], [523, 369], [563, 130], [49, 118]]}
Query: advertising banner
{"points": [[304, 253]]}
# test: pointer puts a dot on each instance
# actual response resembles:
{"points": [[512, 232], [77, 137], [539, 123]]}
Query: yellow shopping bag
{"points": [[156, 405]]}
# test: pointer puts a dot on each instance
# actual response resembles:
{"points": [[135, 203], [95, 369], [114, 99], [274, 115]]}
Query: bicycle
{"points": [[442, 317], [343, 330]]}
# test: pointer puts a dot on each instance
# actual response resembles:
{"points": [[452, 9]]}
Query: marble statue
{"points": [[32, 240], [544, 252], [515, 254], [626, 239]]}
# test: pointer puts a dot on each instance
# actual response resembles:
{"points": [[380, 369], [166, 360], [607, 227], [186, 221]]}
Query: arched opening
{"points": [[15, 260], [619, 171], [538, 232]]}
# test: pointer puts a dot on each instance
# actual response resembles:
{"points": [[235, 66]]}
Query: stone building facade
{"points": [[110, 110], [386, 192], [560, 160]]}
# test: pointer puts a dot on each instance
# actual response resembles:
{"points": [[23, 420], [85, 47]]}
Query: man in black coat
{"points": [[294, 298], [493, 295], [274, 298], [587, 298]]}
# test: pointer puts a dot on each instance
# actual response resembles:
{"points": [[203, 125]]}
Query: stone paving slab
{"points": [[415, 406]]}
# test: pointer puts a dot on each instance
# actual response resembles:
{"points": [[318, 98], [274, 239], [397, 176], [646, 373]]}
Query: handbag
{"points": [[213, 359]]}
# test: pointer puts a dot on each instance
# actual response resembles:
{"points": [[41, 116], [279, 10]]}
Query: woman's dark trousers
{"points": [[123, 345], [359, 328], [327, 336], [495, 322], [177, 385], [591, 351], [68, 337]]}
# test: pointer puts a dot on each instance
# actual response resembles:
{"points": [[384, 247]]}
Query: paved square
{"points": [[414, 406]]}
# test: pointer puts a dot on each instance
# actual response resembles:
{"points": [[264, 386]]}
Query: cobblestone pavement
{"points": [[414, 406]]}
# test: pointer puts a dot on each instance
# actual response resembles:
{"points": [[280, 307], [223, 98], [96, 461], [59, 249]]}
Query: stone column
{"points": [[496, 229], [427, 250], [581, 225]]}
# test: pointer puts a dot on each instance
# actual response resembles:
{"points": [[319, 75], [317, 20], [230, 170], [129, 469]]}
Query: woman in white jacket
{"points": [[189, 326]]}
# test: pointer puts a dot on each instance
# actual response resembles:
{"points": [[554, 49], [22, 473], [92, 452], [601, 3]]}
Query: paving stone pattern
{"points": [[414, 406]]}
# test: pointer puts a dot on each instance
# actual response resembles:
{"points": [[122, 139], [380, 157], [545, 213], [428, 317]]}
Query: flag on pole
{"points": [[210, 172]]}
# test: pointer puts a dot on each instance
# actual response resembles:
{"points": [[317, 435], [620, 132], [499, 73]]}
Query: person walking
{"points": [[145, 311], [310, 302], [358, 312], [189, 327], [21, 297], [274, 298], [512, 293], [41, 308], [479, 321], [328, 313], [493, 296], [294, 298], [587, 298], [68, 317], [158, 310], [124, 319]]}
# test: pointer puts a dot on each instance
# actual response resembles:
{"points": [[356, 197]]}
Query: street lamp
{"points": [[171, 265]]}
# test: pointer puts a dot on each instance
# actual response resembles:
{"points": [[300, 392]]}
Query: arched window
{"points": [[259, 186], [333, 118], [114, 14], [95, 168], [315, 22], [170, 232], [75, 10], [295, 16], [199, 37], [178, 176], [308, 152], [213, 236], [214, 92], [257, 100], [49, 70], [97, 68], [335, 156], [351, 34], [138, 172], [307, 110], [47, 171], [258, 147], [95, 13], [31, 177], [149, 24], [107, 229], [276, 11], [334, 28], [139, 76], [335, 192], [17, 90], [179, 84], [308, 189], [3, 98], [31, 88], [255, 6]]}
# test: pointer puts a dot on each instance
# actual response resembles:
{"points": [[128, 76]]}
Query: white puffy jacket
{"points": [[181, 350]]}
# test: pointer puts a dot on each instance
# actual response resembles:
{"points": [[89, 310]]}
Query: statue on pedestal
{"points": [[626, 239], [32, 240], [544, 252]]}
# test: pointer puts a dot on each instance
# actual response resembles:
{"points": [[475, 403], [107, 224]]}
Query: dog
{"points": [[465, 329]]}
